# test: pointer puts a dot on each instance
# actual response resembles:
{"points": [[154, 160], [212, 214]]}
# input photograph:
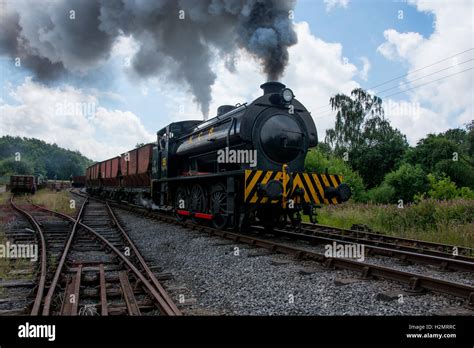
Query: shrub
{"points": [[407, 181], [442, 188], [466, 192], [381, 194]]}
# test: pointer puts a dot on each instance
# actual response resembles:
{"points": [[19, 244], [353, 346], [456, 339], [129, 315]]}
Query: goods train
{"points": [[244, 166]]}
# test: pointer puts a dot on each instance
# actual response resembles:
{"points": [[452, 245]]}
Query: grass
{"points": [[449, 222], [7, 265], [57, 201]]}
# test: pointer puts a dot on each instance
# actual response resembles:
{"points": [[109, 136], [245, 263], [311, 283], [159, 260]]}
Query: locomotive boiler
{"points": [[246, 165]]}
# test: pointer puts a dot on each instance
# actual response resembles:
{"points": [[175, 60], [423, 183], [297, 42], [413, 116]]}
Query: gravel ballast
{"points": [[213, 276]]}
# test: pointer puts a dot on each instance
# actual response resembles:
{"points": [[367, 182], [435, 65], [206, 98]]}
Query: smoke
{"points": [[176, 39]]}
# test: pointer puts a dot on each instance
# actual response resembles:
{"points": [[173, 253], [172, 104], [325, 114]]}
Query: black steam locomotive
{"points": [[246, 165]]}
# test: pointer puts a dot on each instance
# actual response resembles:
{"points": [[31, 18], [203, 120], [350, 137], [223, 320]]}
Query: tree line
{"points": [[31, 156], [378, 162]]}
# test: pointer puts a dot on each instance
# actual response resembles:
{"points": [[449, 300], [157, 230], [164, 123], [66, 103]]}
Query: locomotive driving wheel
{"points": [[181, 202], [198, 203], [219, 206]]}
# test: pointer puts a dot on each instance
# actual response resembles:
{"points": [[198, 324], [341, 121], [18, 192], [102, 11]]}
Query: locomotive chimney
{"points": [[272, 87]]}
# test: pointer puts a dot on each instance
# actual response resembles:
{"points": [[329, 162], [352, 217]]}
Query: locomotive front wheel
{"points": [[180, 202], [219, 206], [198, 200]]}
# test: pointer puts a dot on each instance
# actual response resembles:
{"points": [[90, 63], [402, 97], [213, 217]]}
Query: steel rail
{"points": [[404, 253], [162, 303], [62, 261], [425, 245], [148, 271], [42, 278]]}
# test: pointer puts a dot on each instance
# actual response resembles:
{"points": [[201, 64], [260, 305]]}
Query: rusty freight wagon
{"points": [[127, 177], [22, 184]]}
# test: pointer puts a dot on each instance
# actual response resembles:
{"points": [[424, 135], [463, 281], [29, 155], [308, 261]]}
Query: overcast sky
{"points": [[342, 44]]}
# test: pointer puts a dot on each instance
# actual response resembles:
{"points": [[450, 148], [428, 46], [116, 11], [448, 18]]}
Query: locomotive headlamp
{"points": [[287, 95]]}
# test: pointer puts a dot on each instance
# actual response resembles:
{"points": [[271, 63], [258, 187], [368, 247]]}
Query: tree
{"points": [[350, 117], [470, 138], [11, 167], [407, 181], [38, 157], [364, 137], [380, 151], [445, 153]]}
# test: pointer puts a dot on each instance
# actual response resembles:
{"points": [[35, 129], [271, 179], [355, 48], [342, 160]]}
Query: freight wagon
{"points": [[122, 177], [23, 184]]}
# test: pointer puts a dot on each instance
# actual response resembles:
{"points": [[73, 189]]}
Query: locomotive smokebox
{"points": [[272, 87]]}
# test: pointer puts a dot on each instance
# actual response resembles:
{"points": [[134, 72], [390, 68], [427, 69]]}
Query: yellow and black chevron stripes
{"points": [[311, 184]]}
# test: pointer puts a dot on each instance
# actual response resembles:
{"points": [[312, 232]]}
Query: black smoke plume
{"points": [[52, 44]]}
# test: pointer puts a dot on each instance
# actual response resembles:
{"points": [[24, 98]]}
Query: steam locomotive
{"points": [[244, 166]]}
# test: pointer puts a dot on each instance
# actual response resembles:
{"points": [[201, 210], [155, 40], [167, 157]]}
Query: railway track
{"points": [[414, 282], [99, 270], [405, 253], [374, 238]]}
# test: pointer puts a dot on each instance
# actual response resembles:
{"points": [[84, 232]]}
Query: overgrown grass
{"points": [[57, 201], [7, 265], [4, 197], [450, 222]]}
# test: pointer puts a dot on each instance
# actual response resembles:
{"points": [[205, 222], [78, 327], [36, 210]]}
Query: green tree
{"points": [[407, 181], [445, 153], [470, 139], [11, 167], [350, 117], [38, 157], [380, 151], [442, 188], [364, 137]]}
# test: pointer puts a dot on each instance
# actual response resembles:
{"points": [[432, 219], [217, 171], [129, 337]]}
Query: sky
{"points": [[342, 45]]}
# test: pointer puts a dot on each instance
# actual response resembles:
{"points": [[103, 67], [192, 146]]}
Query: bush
{"points": [[443, 188], [466, 193], [381, 194], [407, 181], [317, 161]]}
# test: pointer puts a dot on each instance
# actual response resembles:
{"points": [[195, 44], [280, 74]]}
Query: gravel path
{"points": [[214, 276]]}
